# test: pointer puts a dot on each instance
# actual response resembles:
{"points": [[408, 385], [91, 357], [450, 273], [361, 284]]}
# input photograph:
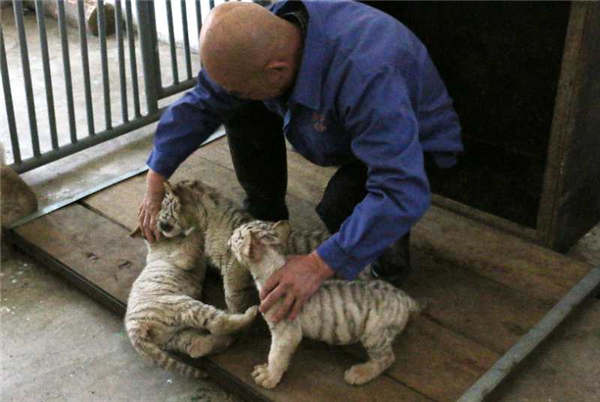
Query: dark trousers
{"points": [[258, 152]]}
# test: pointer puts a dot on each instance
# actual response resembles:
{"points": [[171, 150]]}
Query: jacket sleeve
{"points": [[378, 113], [187, 123]]}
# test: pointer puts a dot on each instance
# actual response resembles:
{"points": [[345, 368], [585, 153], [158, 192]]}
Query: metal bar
{"points": [[62, 24], [89, 107], [86, 142], [10, 111], [172, 42], [186, 40], [76, 197], [122, 78], [198, 18], [18, 10], [490, 380], [132, 59], [149, 47], [105, 77], [41, 22], [173, 89]]}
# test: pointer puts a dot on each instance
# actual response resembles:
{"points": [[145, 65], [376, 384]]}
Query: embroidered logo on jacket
{"points": [[318, 121]]}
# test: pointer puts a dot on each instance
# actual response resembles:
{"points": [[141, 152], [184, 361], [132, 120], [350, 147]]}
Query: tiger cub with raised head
{"points": [[163, 312], [192, 204], [340, 312]]}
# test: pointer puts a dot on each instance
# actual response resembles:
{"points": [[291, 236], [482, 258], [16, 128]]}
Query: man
{"points": [[351, 87]]}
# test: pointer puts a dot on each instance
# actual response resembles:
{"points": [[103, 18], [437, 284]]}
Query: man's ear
{"points": [[277, 71], [282, 229]]}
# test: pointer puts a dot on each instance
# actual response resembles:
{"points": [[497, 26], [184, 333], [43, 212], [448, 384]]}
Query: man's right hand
{"points": [[150, 206]]}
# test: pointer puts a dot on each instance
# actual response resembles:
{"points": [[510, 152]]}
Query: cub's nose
{"points": [[165, 227]]}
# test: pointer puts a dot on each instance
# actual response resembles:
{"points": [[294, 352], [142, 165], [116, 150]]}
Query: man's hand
{"points": [[296, 282], [151, 206]]}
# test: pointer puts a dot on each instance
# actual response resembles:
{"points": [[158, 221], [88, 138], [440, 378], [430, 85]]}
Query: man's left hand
{"points": [[296, 282]]}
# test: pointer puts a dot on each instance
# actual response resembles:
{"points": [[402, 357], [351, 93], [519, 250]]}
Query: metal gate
{"points": [[87, 116]]}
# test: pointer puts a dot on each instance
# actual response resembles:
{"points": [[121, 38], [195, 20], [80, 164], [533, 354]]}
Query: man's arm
{"points": [[379, 115], [182, 128]]}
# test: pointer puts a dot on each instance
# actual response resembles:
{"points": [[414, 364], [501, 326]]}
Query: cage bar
{"points": [[62, 24], [10, 111], [132, 59], [186, 40], [89, 107], [122, 77], [105, 77], [18, 10], [172, 42]]}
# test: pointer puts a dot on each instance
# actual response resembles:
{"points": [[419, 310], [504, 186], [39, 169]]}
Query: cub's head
{"points": [[172, 219], [250, 241]]}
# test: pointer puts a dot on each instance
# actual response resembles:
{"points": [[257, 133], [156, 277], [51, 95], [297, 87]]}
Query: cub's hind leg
{"points": [[198, 315], [381, 356], [196, 344]]}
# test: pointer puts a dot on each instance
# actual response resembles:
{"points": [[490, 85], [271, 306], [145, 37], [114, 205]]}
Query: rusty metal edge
{"points": [[504, 366], [217, 374]]}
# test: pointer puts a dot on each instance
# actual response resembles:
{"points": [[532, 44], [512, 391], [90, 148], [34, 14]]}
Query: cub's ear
{"points": [[167, 186], [282, 229]]}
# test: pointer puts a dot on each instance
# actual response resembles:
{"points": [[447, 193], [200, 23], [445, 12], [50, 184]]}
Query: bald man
{"points": [[348, 86]]}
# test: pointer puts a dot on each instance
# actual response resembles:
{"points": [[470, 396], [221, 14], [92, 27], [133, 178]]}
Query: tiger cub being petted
{"points": [[340, 312], [163, 312], [192, 204]]}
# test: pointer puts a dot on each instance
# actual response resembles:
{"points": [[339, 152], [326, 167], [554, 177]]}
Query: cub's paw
{"points": [[360, 374], [263, 377], [251, 313]]}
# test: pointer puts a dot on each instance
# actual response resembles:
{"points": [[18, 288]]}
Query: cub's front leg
{"points": [[285, 337], [240, 291]]}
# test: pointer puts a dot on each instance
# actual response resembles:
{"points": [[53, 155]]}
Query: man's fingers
{"points": [[298, 303], [285, 307], [271, 298]]}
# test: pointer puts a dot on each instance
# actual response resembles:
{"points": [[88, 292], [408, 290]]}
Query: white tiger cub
{"points": [[194, 205], [162, 310], [340, 312]]}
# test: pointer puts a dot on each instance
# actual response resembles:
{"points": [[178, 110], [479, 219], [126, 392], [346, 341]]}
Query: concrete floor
{"points": [[59, 345]]}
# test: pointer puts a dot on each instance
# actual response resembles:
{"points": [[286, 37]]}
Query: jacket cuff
{"points": [[343, 264], [162, 163]]}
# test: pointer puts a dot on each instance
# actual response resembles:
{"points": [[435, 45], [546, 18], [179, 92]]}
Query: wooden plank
{"points": [[485, 311], [121, 202], [438, 362], [506, 259], [316, 372], [92, 246]]}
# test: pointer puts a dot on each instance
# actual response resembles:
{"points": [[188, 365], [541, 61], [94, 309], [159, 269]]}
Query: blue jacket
{"points": [[366, 89]]}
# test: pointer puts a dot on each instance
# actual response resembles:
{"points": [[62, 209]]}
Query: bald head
{"points": [[244, 47]]}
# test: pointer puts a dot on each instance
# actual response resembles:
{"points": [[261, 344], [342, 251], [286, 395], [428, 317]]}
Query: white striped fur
{"points": [[163, 312], [340, 312], [194, 205]]}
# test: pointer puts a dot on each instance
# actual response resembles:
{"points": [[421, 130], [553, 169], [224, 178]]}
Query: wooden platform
{"points": [[485, 288]]}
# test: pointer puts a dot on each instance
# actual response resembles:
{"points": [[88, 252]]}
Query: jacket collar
{"points": [[307, 88]]}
